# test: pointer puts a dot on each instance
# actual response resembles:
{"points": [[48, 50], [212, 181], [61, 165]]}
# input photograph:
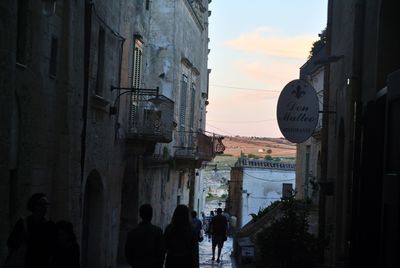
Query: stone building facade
{"points": [[103, 109], [359, 207], [308, 153], [41, 103], [175, 57]]}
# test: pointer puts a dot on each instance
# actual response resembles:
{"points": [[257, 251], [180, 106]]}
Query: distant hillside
{"points": [[276, 147]]}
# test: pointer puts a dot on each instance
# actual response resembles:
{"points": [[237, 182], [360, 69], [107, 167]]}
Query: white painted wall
{"points": [[199, 191], [317, 81], [261, 187]]}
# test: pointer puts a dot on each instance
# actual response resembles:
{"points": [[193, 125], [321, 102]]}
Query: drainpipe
{"points": [[117, 124], [87, 33], [324, 139], [355, 164]]}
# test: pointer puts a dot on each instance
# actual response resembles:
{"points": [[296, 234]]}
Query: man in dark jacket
{"points": [[32, 239], [218, 229], [145, 247]]}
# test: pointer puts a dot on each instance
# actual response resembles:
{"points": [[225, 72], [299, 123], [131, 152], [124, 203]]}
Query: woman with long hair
{"points": [[181, 240]]}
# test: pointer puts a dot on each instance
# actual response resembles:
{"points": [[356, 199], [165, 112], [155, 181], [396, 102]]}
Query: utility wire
{"points": [[264, 197], [213, 133], [244, 88], [267, 179], [220, 129], [243, 122]]}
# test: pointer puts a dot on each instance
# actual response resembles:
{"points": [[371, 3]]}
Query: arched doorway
{"points": [[93, 216], [129, 206]]}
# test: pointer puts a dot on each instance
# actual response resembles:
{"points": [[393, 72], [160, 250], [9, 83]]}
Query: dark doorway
{"points": [[129, 207], [93, 217]]}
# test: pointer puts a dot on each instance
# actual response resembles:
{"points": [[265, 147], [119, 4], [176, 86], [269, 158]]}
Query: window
{"points": [[136, 79], [53, 57], [100, 62], [183, 100], [307, 171], [180, 181], [22, 22], [192, 102], [182, 108], [188, 184], [287, 190], [137, 64]]}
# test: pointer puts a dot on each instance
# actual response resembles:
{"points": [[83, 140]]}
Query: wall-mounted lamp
{"points": [[49, 7], [156, 100]]}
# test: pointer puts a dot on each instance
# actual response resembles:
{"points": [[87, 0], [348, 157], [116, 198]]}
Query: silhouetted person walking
{"points": [[145, 244], [208, 221], [197, 227], [32, 238], [181, 240], [66, 249], [218, 229]]}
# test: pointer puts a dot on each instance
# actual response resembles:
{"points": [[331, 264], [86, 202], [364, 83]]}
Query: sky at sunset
{"points": [[257, 47]]}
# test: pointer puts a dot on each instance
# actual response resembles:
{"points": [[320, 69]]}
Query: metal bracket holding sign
{"points": [[298, 111]]}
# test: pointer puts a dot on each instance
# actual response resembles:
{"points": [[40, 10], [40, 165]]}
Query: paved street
{"points": [[205, 253]]}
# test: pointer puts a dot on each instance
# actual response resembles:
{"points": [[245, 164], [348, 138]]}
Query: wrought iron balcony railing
{"points": [[198, 146], [150, 115], [150, 118]]}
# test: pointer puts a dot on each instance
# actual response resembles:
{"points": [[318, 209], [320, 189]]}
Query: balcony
{"points": [[193, 147], [149, 117]]}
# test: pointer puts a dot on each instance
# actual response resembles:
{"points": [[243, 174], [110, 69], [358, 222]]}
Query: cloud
{"points": [[251, 98], [268, 41], [263, 58], [273, 73]]}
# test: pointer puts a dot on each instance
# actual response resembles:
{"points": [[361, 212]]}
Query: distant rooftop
{"points": [[267, 164]]}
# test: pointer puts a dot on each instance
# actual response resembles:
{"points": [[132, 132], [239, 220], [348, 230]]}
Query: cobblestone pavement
{"points": [[205, 255]]}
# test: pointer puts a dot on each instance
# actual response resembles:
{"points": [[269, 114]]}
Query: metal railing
{"points": [[259, 163], [150, 118], [193, 146]]}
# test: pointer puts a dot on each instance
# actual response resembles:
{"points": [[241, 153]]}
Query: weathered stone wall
{"points": [[43, 116], [177, 43], [41, 121], [105, 152], [8, 146]]}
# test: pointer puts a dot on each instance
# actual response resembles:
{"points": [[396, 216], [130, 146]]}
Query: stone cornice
{"points": [[194, 15]]}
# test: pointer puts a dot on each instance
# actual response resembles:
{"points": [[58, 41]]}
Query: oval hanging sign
{"points": [[297, 111]]}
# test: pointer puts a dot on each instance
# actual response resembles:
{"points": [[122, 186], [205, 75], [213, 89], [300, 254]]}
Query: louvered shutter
{"points": [[182, 109], [136, 75]]}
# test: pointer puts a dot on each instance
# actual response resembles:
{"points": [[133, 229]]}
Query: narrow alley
{"points": [[128, 126]]}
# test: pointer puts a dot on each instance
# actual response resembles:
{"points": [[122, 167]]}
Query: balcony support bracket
{"points": [[138, 91]]}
